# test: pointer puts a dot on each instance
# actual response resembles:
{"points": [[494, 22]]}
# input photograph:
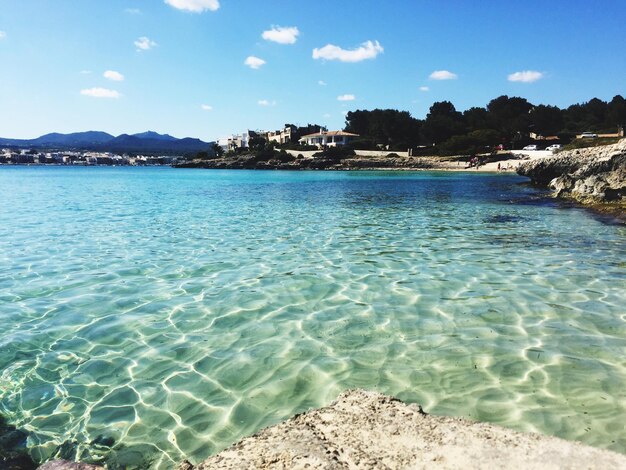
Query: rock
{"points": [[251, 162], [65, 465], [185, 465], [562, 184], [367, 430], [591, 175]]}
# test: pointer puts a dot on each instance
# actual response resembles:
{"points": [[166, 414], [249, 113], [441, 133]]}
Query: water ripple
{"points": [[150, 315]]}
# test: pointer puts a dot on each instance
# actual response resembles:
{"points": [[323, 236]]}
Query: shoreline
{"points": [[367, 430], [505, 162], [593, 177]]}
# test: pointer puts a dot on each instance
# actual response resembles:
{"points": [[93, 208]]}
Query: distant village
{"points": [[80, 158]]}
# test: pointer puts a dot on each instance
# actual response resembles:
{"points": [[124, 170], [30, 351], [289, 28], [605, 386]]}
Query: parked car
{"points": [[588, 135], [553, 147], [530, 147]]}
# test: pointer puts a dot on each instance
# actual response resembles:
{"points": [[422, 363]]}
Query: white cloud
{"points": [[194, 6], [527, 76], [327, 115], [367, 50], [113, 76], [144, 44], [100, 93], [322, 83], [85, 72], [347, 97], [344, 113], [443, 75], [207, 107], [254, 62], [287, 35], [424, 88], [266, 103], [3, 34], [133, 11]]}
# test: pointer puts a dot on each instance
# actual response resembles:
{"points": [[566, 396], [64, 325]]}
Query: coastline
{"points": [[593, 177], [507, 163]]}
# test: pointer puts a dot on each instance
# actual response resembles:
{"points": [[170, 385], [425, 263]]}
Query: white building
{"points": [[235, 141], [327, 138]]}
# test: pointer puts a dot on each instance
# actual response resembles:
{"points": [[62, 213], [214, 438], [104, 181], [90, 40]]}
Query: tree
{"points": [[546, 120], [217, 150], [616, 113], [257, 143], [442, 122], [478, 141], [306, 130], [203, 155], [595, 115], [509, 115], [387, 127], [476, 118]]}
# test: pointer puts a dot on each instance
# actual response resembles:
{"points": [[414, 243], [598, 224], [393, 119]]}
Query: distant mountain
{"points": [[133, 143], [144, 142], [155, 136], [76, 139]]}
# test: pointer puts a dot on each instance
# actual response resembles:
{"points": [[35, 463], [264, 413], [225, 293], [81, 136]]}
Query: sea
{"points": [[151, 315]]}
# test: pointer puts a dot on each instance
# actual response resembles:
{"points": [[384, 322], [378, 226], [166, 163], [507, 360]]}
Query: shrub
{"points": [[335, 153], [585, 143], [364, 144]]}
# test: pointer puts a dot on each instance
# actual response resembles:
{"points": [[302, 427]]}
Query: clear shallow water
{"points": [[152, 314]]}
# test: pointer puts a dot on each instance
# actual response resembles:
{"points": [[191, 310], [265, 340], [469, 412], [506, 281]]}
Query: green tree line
{"points": [[505, 120]]}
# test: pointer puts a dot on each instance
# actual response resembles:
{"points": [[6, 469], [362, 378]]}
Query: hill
{"points": [[144, 142]]}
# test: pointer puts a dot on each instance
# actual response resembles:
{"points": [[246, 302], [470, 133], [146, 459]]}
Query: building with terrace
{"points": [[327, 138]]}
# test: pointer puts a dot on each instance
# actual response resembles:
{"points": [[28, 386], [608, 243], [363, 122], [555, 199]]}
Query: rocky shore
{"points": [[367, 430], [295, 162], [595, 175]]}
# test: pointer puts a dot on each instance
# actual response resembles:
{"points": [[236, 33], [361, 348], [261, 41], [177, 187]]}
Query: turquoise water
{"points": [[151, 314]]}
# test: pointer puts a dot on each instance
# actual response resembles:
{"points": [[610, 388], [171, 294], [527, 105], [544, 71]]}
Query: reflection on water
{"points": [[154, 314]]}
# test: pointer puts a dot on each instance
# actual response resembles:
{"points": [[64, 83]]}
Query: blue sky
{"points": [[179, 66]]}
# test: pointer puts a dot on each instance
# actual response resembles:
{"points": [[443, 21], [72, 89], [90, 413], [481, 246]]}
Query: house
{"points": [[235, 141], [282, 136], [327, 138]]}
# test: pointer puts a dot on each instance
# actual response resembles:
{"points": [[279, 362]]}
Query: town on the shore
{"points": [[80, 158]]}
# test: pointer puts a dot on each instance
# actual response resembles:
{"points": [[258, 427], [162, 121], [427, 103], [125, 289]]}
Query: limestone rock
{"points": [[596, 174], [367, 430]]}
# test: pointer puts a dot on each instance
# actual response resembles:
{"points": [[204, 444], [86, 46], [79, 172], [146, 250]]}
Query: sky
{"points": [[209, 68]]}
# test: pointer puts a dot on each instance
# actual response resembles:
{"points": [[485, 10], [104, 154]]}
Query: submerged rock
{"points": [[65, 465], [591, 175], [367, 430]]}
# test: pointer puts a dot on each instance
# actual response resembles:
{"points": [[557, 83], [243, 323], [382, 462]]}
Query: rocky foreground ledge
{"points": [[367, 430], [595, 175]]}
